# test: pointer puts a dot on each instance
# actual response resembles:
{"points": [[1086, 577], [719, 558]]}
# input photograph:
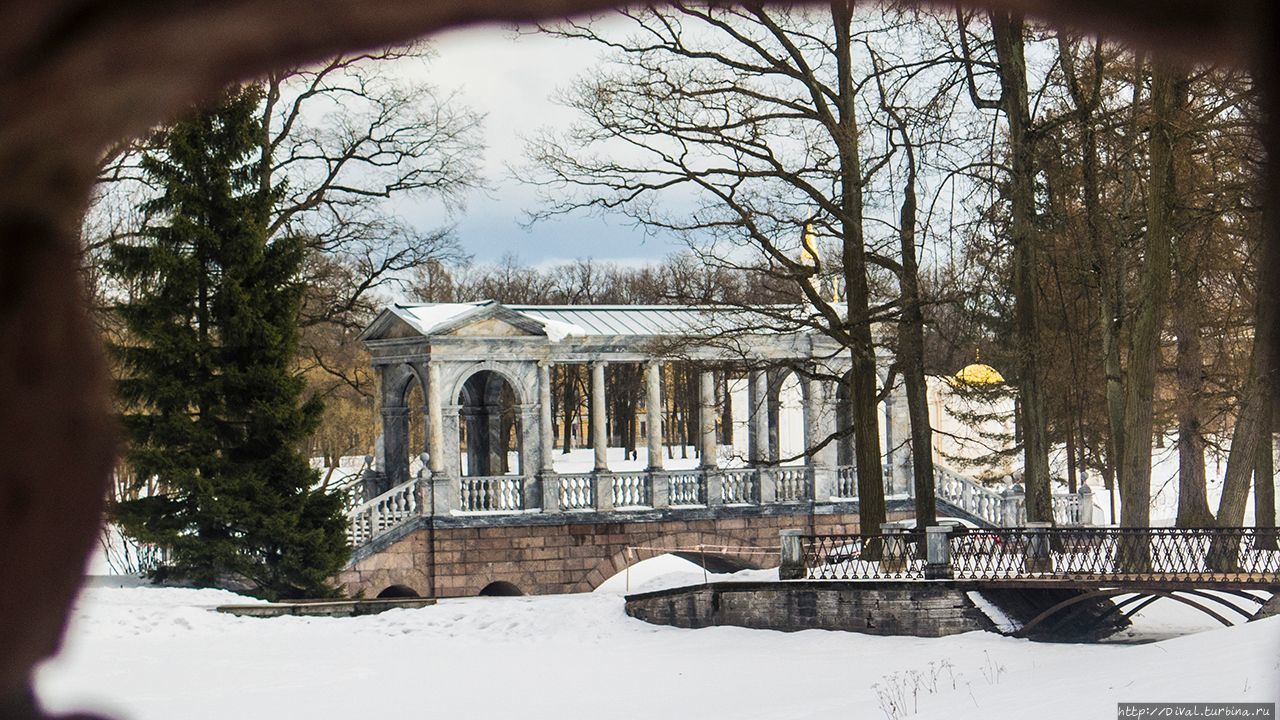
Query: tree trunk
{"points": [[1144, 355], [569, 408], [911, 349], [862, 381], [1264, 482], [1255, 400], [1072, 482], [1257, 395], [1193, 503], [1114, 377], [1008, 29]]}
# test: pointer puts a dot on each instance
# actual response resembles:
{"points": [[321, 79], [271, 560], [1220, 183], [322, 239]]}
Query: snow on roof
{"points": [[561, 321], [648, 320], [426, 318]]}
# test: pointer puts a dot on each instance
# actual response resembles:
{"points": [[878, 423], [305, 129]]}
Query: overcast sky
{"points": [[511, 78]]}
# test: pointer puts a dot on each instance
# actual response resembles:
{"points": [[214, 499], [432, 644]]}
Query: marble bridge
{"points": [[487, 512]]}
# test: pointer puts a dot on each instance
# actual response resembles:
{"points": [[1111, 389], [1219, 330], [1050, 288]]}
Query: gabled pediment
{"points": [[491, 320], [490, 327], [483, 319], [389, 326]]}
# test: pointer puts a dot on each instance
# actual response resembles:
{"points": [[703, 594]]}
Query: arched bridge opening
{"points": [[1085, 614], [500, 588]]}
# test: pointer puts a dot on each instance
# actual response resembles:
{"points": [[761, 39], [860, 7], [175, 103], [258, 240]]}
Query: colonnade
{"points": [[452, 393]]}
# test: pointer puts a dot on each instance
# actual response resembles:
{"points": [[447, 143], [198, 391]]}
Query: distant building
{"points": [[972, 414]]}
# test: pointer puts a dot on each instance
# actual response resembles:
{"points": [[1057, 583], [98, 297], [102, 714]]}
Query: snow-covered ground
{"points": [[142, 652]]}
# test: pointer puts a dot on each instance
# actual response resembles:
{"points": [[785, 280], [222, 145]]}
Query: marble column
{"points": [[395, 446], [599, 418], [435, 422], [452, 433], [546, 443], [759, 420], [530, 454], [819, 426], [707, 419], [653, 412]]}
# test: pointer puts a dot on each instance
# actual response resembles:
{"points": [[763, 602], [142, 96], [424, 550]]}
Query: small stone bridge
{"points": [[446, 538]]}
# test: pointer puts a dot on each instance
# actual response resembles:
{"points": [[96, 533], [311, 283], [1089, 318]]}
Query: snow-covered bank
{"points": [[163, 653]]}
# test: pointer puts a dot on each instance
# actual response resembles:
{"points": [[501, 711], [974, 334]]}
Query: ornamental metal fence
{"points": [[1249, 556], [895, 556]]}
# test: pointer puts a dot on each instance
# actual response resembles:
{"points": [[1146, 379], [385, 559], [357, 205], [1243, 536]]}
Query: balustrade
{"points": [[1073, 509], [847, 482], [996, 508], [382, 513], [577, 491], [794, 484], [738, 486], [503, 493], [686, 488], [631, 489]]}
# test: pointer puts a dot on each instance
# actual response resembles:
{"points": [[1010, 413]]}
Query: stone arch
{"points": [[491, 424], [397, 591], [411, 375], [523, 388], [500, 588], [887, 411], [398, 453], [416, 431], [669, 544], [788, 396]]}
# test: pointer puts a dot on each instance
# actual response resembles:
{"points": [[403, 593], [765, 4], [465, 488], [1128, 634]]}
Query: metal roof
{"points": [[648, 320], [587, 320]]}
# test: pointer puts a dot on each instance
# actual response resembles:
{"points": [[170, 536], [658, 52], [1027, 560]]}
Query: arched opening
{"points": [[791, 438], [416, 402], [489, 428], [500, 588], [398, 591], [678, 568]]}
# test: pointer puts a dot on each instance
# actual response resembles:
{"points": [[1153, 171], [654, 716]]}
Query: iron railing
{"points": [[1119, 554], [1247, 556], [896, 556]]}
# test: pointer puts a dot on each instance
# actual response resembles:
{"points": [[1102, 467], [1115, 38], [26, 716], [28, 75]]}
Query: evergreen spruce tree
{"points": [[213, 409]]}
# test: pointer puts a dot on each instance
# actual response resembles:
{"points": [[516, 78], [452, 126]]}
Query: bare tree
{"points": [[1010, 68], [339, 140], [1148, 324], [736, 128]]}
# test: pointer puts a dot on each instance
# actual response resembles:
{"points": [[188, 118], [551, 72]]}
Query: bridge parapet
{"points": [[384, 513], [1234, 557], [622, 492]]}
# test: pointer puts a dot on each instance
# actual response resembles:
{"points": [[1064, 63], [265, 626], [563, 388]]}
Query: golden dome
{"points": [[978, 374]]}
